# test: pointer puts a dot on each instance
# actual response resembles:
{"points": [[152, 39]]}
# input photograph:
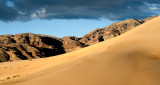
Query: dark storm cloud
{"points": [[77, 9], [7, 13]]}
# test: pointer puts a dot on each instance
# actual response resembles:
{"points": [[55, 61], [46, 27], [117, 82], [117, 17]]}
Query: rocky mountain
{"points": [[112, 30], [27, 45]]}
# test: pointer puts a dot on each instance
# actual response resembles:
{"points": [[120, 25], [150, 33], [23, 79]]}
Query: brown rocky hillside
{"points": [[28, 46]]}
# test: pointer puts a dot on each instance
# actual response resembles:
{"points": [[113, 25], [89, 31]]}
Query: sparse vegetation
{"points": [[8, 78], [15, 76]]}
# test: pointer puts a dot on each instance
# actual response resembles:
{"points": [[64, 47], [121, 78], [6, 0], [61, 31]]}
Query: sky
{"points": [[69, 17], [55, 27]]}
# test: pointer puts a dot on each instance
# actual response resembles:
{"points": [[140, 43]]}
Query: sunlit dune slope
{"points": [[130, 59]]}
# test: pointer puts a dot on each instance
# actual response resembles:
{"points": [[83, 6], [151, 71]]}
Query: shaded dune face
{"points": [[121, 68], [130, 65], [133, 69]]}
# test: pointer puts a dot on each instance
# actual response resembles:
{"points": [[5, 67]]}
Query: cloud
{"points": [[7, 12], [23, 10]]}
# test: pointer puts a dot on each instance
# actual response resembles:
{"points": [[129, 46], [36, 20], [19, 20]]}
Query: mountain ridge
{"points": [[113, 30], [27, 45]]}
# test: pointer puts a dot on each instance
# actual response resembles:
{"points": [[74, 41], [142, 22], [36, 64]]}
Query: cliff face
{"points": [[112, 30], [28, 45]]}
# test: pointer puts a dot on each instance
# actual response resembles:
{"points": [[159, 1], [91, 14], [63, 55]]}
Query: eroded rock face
{"points": [[72, 43], [3, 55], [27, 45], [112, 30]]}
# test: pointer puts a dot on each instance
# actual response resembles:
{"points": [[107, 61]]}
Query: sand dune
{"points": [[130, 59]]}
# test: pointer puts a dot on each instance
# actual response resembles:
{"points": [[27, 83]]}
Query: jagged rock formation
{"points": [[28, 45], [112, 30], [72, 43]]}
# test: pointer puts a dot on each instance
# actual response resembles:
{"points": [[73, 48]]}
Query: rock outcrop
{"points": [[27, 45]]}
